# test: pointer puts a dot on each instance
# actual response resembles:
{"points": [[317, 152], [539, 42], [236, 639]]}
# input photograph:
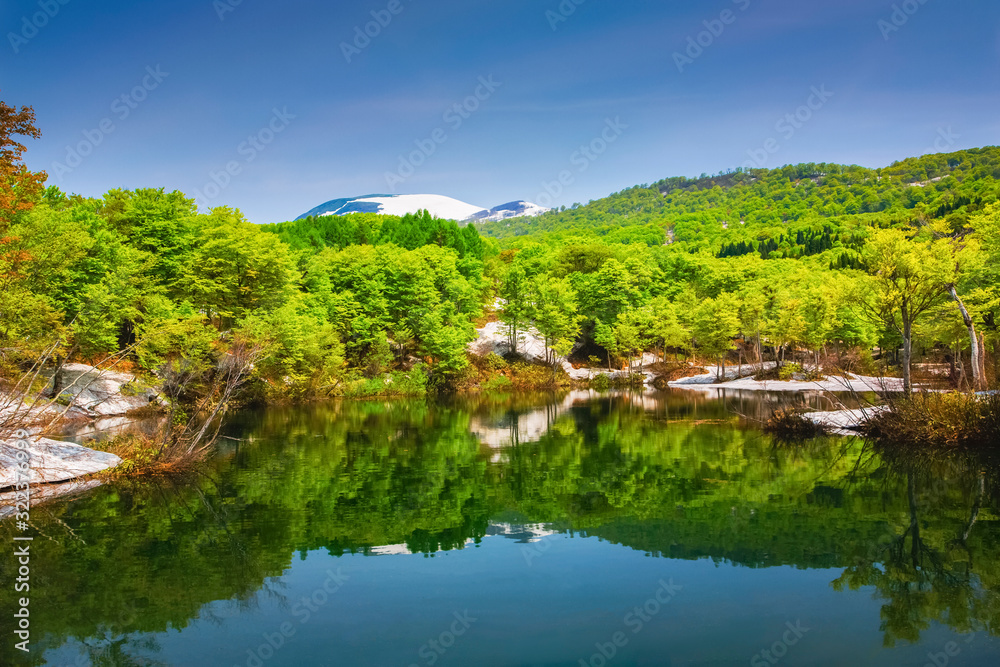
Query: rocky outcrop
{"points": [[100, 393], [851, 383], [493, 340], [52, 461], [531, 346], [101, 398]]}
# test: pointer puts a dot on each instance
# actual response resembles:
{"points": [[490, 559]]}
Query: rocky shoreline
{"points": [[92, 396], [89, 395], [493, 340]]}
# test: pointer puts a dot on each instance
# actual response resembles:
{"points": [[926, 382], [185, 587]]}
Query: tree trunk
{"points": [[58, 376], [981, 491], [959, 375], [915, 543], [982, 362], [978, 383], [907, 355], [996, 360]]}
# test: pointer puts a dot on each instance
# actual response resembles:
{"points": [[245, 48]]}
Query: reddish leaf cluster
{"points": [[19, 187]]}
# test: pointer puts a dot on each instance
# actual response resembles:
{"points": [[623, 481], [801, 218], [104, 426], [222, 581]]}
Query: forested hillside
{"points": [[776, 213], [820, 261]]}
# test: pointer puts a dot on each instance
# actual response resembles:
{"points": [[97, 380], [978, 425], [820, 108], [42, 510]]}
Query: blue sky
{"points": [[265, 88]]}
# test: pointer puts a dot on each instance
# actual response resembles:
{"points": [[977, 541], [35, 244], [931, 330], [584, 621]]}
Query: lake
{"points": [[581, 529]]}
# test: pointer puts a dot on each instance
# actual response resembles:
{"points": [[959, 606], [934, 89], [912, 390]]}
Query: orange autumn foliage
{"points": [[19, 187]]}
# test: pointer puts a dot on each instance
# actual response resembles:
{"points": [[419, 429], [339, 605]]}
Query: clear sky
{"points": [[150, 93]]}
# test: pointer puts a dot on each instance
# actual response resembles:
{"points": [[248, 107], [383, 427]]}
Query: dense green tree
{"points": [[554, 313], [235, 268], [515, 311], [906, 281], [156, 222], [716, 324]]}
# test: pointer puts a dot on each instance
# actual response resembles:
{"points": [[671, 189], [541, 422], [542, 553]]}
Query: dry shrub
{"points": [[535, 376], [672, 371], [931, 419], [141, 456], [790, 425], [768, 375], [493, 373]]}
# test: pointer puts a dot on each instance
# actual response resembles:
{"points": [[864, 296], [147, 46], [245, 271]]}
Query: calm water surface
{"points": [[656, 529]]}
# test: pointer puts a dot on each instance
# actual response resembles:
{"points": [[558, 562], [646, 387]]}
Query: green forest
{"points": [[818, 263]]}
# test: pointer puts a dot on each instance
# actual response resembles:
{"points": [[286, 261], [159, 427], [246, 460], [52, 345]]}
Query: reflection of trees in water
{"points": [[135, 559], [932, 567], [666, 477], [121, 651]]}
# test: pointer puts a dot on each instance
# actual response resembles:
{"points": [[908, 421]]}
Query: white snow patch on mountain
{"points": [[517, 209], [438, 205]]}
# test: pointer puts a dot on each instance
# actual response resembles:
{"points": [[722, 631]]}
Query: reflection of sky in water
{"points": [[575, 595]]}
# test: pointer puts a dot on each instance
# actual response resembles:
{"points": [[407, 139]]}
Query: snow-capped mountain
{"points": [[514, 209], [438, 205]]}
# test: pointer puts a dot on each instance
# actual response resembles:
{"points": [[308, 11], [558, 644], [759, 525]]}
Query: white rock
{"points": [[52, 461], [531, 345], [99, 393]]}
